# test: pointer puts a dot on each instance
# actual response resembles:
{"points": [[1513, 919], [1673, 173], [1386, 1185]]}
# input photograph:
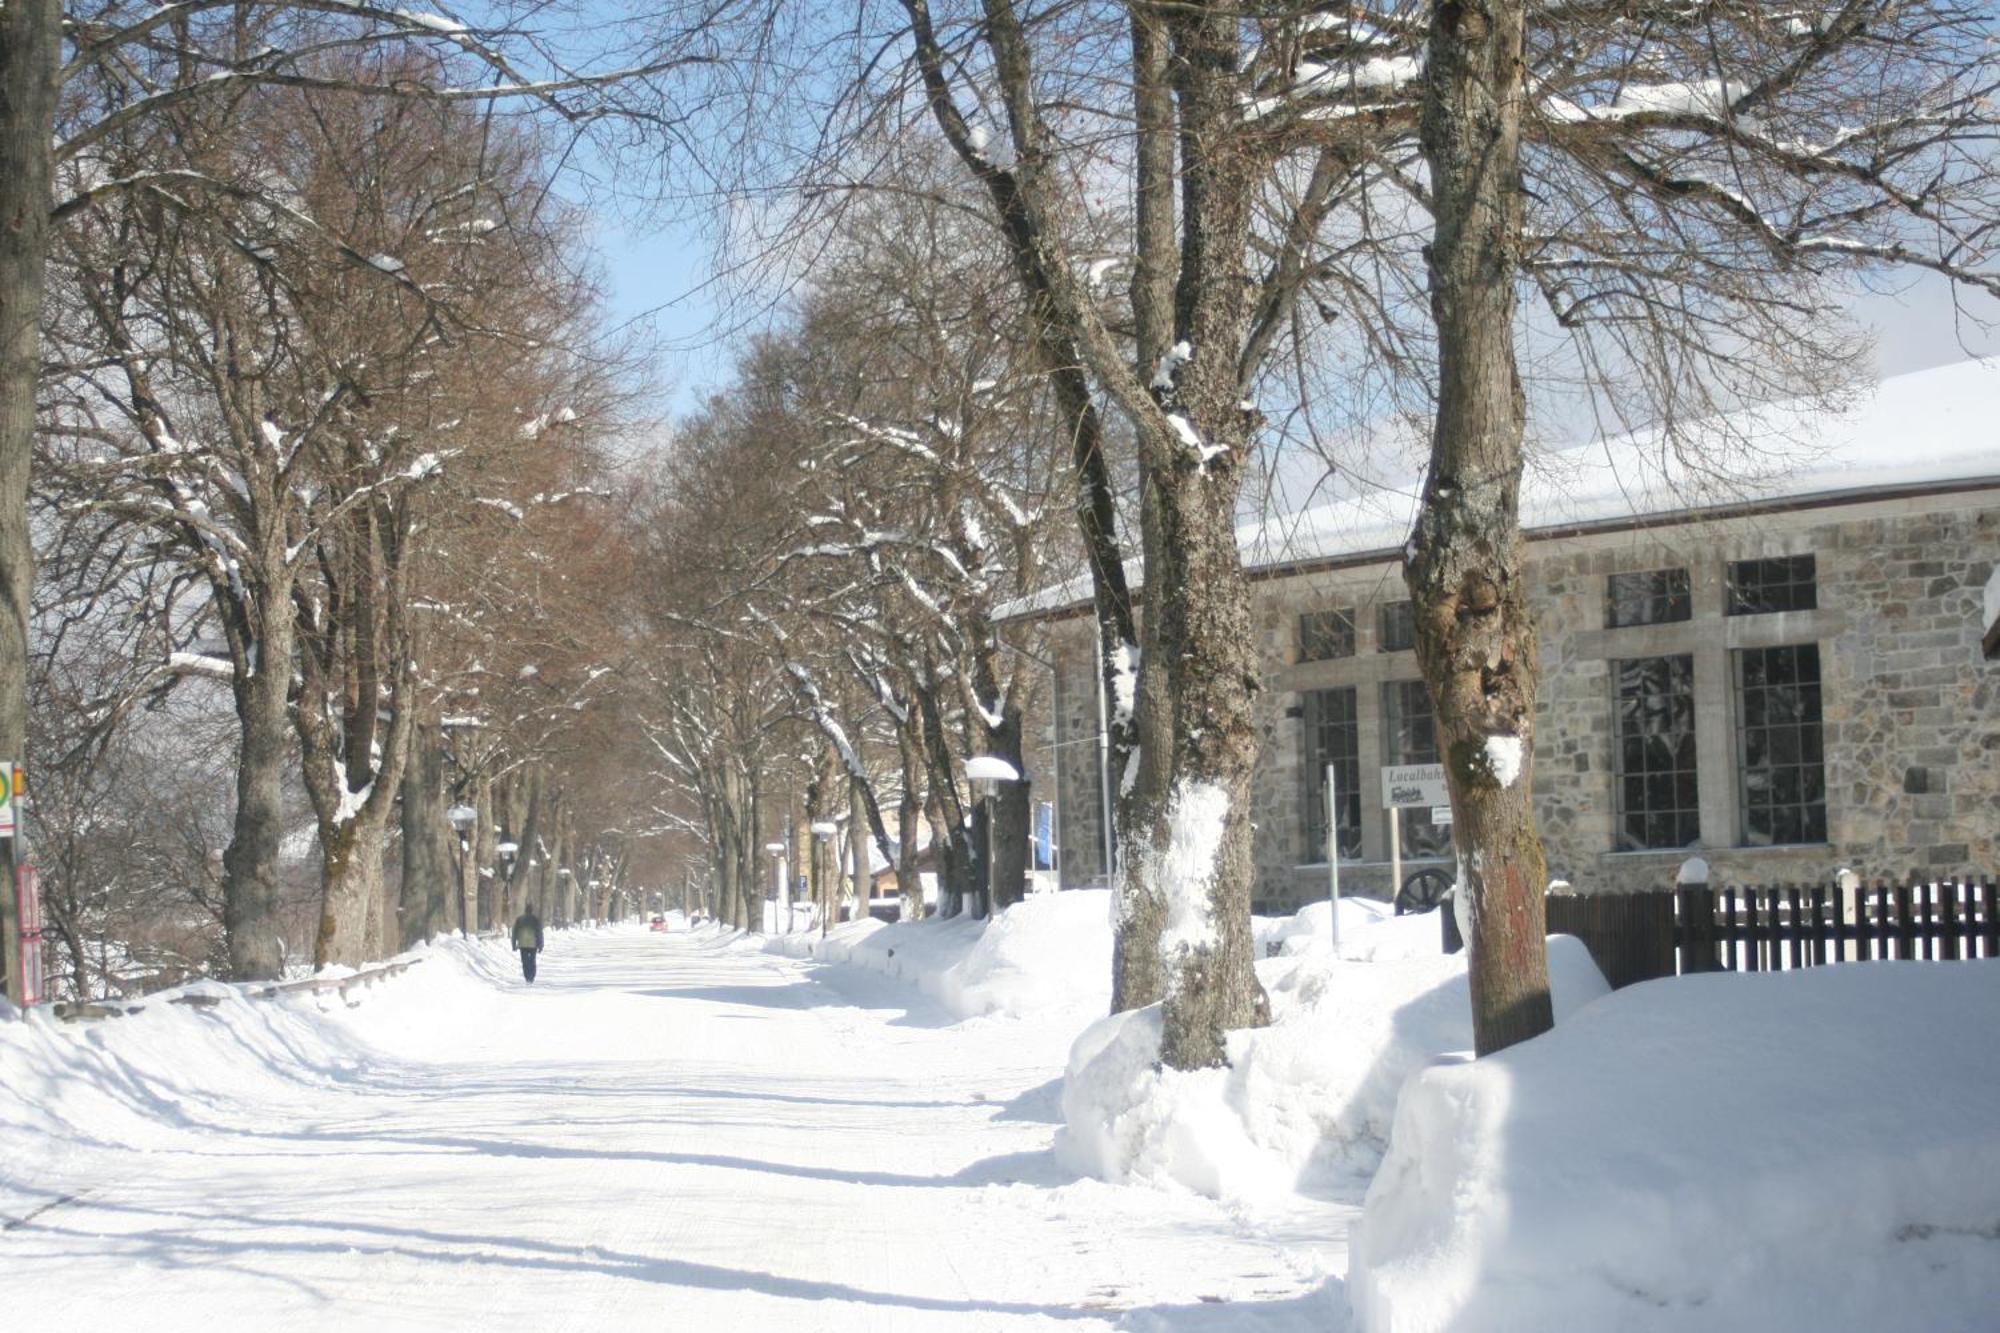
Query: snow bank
{"points": [[1048, 954], [1805, 1150], [1370, 931], [157, 1077], [1313, 1093]]}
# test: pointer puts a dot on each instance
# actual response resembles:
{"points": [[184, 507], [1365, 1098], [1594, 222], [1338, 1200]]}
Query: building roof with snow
{"points": [[1928, 431]]}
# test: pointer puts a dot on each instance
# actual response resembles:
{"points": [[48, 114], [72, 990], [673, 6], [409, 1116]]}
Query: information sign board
{"points": [[1406, 785]]}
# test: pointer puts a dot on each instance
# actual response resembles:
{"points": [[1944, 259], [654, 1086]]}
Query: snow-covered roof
{"points": [[1927, 428]]}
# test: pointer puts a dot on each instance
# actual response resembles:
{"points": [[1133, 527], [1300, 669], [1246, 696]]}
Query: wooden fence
{"points": [[1762, 928], [71, 1012]]}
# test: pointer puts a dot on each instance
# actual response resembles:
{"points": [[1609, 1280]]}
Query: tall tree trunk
{"points": [[350, 886], [947, 814], [30, 49], [1475, 634], [1004, 851], [1133, 695], [424, 911], [251, 927], [352, 892], [485, 862], [737, 857], [909, 879], [1193, 843], [562, 887], [381, 910], [1013, 804], [858, 816], [523, 824]]}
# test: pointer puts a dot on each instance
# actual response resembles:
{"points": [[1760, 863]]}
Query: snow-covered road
{"points": [[665, 1132]]}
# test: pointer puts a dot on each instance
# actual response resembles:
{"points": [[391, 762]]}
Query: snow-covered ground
{"points": [[668, 1131], [933, 1126]]}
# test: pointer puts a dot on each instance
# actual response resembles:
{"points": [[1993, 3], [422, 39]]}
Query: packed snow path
{"points": [[664, 1132]]}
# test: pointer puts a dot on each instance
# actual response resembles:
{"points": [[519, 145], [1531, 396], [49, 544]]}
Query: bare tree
{"points": [[1682, 189], [120, 68]]}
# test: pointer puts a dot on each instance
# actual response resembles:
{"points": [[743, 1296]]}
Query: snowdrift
{"points": [[1315, 1092], [159, 1077], [1802, 1150], [1047, 955]]}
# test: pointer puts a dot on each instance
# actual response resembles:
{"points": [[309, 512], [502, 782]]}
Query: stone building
{"points": [[1771, 653]]}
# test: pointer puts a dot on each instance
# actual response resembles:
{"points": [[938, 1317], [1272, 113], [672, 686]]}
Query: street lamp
{"points": [[822, 829], [986, 772], [783, 919], [461, 817]]}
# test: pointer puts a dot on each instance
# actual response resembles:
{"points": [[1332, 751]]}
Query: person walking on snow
{"points": [[528, 939]]}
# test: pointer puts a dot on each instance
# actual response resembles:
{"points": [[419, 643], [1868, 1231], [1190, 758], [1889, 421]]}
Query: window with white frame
{"points": [[1332, 737]]}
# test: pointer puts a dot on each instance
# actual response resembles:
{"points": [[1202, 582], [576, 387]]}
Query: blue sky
{"points": [[661, 273]]}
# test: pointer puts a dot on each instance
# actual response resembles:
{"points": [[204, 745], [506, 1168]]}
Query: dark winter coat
{"points": [[528, 930]]}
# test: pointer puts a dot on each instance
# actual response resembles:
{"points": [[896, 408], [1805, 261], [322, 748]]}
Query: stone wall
{"points": [[1910, 707]]}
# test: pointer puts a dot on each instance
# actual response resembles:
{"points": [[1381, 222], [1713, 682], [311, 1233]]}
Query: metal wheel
{"points": [[1422, 890]]}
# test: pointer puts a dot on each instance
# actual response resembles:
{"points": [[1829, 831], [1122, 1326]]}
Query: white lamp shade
{"points": [[991, 768]]}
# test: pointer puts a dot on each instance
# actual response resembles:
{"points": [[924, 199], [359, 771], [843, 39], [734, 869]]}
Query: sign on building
{"points": [[1406, 785], [10, 784]]}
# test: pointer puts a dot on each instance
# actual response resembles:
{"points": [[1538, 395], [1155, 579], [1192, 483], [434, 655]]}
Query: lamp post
{"points": [[823, 829], [782, 921], [505, 852], [986, 772], [461, 818]]}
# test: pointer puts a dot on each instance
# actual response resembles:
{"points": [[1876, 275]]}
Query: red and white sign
{"points": [[29, 888]]}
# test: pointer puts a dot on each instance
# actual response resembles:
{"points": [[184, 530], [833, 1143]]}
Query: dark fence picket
{"points": [[1698, 937], [1757, 941], [1948, 922], [1906, 926], [1817, 909], [1991, 919], [1795, 925], [1878, 923], [1732, 935]]}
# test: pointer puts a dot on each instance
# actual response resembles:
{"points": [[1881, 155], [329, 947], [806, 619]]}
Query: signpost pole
{"points": [[1333, 854], [1395, 852]]}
